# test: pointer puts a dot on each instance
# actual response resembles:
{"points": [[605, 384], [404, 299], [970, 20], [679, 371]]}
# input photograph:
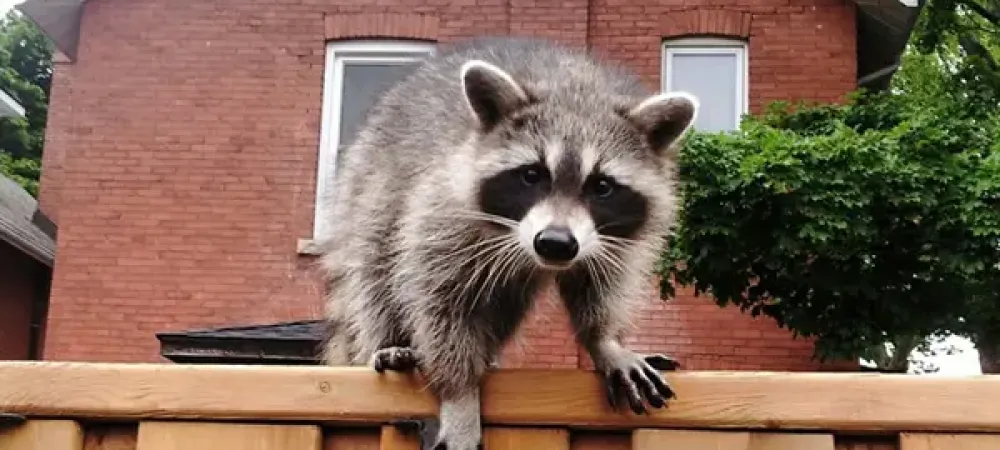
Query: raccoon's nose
{"points": [[556, 244]]}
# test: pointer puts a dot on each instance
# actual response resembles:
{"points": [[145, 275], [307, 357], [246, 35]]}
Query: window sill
{"points": [[308, 247]]}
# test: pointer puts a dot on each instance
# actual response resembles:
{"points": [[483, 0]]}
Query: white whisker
{"points": [[598, 283], [487, 248], [510, 256], [478, 215], [614, 260], [492, 254], [623, 243], [495, 264], [482, 246]]}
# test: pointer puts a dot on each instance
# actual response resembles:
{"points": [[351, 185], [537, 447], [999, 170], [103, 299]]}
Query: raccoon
{"points": [[489, 171]]}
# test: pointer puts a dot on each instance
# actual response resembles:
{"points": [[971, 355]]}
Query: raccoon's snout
{"points": [[556, 244]]}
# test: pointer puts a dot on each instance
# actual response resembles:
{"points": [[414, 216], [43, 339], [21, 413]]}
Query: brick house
{"points": [[188, 142], [27, 252]]}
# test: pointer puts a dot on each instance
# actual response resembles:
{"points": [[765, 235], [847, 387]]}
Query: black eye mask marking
{"points": [[617, 210], [512, 193]]}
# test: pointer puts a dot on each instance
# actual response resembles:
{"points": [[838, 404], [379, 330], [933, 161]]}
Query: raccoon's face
{"points": [[575, 182]]}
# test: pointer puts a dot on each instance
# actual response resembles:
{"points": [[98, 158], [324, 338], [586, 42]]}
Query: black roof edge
{"points": [[884, 28], [293, 342], [43, 222]]}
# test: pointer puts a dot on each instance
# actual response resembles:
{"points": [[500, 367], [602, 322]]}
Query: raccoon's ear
{"points": [[663, 118], [491, 93]]}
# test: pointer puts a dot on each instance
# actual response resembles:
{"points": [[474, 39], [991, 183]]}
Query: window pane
{"points": [[711, 78], [363, 82]]}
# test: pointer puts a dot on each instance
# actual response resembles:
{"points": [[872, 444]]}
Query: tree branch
{"points": [[992, 17], [972, 46]]}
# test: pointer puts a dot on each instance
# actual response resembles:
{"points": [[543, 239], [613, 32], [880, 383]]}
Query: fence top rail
{"points": [[862, 402]]}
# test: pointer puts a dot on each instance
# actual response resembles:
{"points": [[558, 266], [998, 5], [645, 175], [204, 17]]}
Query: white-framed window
{"points": [[715, 71], [356, 73]]}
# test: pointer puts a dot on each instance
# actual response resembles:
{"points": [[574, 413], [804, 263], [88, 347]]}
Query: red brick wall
{"points": [[182, 148], [18, 277], [691, 329]]}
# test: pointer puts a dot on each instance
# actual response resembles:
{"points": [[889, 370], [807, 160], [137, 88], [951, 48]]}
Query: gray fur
{"points": [[405, 227]]}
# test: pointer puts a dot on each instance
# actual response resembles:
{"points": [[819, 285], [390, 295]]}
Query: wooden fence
{"points": [[75, 406]]}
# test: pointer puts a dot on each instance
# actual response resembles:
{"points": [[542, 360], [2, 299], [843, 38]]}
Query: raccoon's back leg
{"points": [[384, 341], [457, 347], [381, 338], [367, 320], [338, 344], [455, 360]]}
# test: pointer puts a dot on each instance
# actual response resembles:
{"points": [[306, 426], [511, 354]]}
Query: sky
{"points": [[966, 362], [7, 4]]}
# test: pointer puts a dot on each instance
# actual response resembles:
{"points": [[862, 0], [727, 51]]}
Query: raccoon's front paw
{"points": [[636, 377], [398, 359], [662, 362]]}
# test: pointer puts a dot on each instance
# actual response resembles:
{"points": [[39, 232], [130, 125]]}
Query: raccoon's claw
{"points": [[637, 380], [398, 359], [662, 363]]}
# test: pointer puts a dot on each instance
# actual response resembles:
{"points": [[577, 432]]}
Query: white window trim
{"points": [[337, 54], [711, 46]]}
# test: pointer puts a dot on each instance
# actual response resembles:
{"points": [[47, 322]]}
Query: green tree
{"points": [[30, 54], [953, 59], [960, 31], [872, 226], [856, 224], [25, 75], [24, 171], [960, 41]]}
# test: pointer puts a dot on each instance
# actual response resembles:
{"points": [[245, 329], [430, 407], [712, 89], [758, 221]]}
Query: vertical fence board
{"points": [[927, 441], [797, 441], [226, 436], [867, 443], [713, 440], [689, 440], [110, 437], [395, 439], [43, 435], [352, 439], [500, 438], [589, 440]]}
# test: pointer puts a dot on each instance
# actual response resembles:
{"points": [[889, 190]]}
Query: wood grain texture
{"points": [[918, 441], [589, 440], [395, 439], [43, 435], [498, 438], [789, 441], [842, 401], [867, 442], [352, 439], [227, 436], [728, 440], [175, 391], [110, 437], [689, 440]]}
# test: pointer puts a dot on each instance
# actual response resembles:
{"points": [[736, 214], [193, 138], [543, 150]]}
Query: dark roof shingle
{"points": [[295, 342], [18, 210]]}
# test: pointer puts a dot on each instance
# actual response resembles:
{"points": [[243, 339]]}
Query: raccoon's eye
{"points": [[603, 188], [531, 176]]}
